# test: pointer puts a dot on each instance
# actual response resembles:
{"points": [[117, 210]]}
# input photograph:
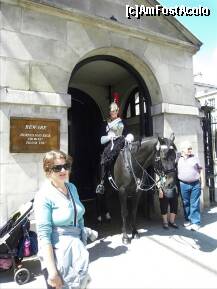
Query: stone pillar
{"points": [[185, 122]]}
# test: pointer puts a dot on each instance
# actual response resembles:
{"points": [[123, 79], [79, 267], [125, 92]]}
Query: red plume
{"points": [[116, 97]]}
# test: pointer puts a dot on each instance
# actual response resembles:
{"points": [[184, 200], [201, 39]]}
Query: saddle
{"points": [[109, 165]]}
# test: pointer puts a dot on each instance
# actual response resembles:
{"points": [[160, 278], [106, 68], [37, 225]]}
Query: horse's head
{"points": [[166, 150], [165, 163]]}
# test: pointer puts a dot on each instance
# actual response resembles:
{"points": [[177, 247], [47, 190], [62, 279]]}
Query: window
{"points": [[139, 123], [133, 108], [211, 102]]}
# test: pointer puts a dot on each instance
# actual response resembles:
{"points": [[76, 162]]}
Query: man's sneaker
{"points": [[195, 227], [187, 224]]}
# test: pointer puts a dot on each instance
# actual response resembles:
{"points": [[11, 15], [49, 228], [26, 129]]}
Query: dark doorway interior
{"points": [[84, 121]]}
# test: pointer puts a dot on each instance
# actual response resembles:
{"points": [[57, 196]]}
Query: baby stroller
{"points": [[12, 236]]}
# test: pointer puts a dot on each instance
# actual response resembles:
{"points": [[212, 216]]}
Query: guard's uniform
{"points": [[115, 141]]}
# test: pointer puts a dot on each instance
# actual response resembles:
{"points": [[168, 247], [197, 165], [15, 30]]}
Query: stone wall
{"points": [[21, 174]]}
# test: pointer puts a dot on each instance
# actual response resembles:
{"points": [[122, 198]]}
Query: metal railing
{"points": [[208, 150]]}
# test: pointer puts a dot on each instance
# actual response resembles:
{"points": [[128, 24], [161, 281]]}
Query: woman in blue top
{"points": [[60, 226]]}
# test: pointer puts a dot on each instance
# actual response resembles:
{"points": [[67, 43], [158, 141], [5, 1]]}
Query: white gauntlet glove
{"points": [[129, 138], [107, 138], [111, 134]]}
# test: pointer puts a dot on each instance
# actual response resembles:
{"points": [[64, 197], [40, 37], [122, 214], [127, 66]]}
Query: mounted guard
{"points": [[114, 141], [131, 177]]}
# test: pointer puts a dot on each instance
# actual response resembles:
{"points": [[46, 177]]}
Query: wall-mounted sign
{"points": [[34, 135]]}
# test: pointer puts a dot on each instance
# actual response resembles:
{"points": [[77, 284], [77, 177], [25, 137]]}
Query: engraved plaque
{"points": [[34, 135]]}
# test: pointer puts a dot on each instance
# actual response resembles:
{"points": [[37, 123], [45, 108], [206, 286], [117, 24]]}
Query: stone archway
{"points": [[79, 79], [142, 66]]}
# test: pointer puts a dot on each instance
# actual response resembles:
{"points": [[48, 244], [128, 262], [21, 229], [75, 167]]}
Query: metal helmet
{"points": [[114, 107]]}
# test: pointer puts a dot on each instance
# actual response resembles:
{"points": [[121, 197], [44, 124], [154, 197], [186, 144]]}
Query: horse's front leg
{"points": [[124, 213], [135, 202]]}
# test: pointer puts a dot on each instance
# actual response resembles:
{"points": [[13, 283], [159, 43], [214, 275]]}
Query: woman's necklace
{"points": [[61, 189]]}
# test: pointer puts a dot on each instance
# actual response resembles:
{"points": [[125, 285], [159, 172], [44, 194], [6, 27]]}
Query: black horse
{"points": [[130, 174]]}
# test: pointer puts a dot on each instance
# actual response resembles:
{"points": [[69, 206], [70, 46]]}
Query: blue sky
{"points": [[205, 29]]}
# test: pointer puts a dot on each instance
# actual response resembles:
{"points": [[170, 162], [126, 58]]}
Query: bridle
{"points": [[159, 169], [158, 164]]}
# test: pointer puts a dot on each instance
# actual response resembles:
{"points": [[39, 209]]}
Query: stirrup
{"points": [[100, 189], [112, 182]]}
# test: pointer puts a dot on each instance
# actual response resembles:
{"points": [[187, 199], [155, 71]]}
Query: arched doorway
{"points": [[92, 82]]}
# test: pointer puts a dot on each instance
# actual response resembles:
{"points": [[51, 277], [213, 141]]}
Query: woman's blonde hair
{"points": [[51, 156], [185, 145]]}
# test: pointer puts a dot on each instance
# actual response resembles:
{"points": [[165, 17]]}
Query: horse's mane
{"points": [[143, 142], [135, 146], [149, 139], [143, 150]]}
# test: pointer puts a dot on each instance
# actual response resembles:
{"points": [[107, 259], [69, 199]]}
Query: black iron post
{"points": [[208, 151]]}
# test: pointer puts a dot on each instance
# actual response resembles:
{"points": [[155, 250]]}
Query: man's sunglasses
{"points": [[58, 168]]}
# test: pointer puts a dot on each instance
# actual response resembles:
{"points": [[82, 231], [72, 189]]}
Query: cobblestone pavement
{"points": [[174, 258]]}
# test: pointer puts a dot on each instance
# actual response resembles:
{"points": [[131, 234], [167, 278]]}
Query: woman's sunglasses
{"points": [[58, 168]]}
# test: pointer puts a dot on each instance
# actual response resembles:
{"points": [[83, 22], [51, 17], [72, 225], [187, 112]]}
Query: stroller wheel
{"points": [[22, 276]]}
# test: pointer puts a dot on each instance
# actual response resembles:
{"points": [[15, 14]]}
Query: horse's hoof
{"points": [[126, 241], [99, 220], [135, 235], [108, 217]]}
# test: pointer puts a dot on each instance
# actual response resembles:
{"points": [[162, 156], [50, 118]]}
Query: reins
{"points": [[140, 181]]}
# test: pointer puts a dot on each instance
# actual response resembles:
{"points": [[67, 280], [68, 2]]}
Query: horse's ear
{"points": [[160, 139], [158, 145], [172, 137]]}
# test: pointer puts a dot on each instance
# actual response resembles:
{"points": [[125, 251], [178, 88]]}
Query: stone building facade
{"points": [[64, 59]]}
